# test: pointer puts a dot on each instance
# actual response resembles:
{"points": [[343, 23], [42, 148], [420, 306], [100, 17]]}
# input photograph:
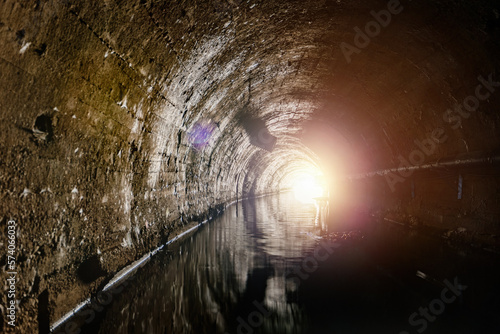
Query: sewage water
{"points": [[275, 265]]}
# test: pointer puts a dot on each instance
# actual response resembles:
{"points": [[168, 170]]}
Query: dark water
{"points": [[266, 266]]}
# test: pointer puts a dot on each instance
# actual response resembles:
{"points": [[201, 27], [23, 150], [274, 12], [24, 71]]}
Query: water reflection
{"points": [[213, 281], [236, 275]]}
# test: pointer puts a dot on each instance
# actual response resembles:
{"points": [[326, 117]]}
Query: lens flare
{"points": [[201, 132]]}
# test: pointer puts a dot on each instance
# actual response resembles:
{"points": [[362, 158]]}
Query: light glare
{"points": [[306, 187]]}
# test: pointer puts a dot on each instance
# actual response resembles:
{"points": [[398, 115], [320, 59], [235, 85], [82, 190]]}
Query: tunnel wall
{"points": [[97, 102], [459, 204]]}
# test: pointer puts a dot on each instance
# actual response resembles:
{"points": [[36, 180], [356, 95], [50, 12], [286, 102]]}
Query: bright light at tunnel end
{"points": [[308, 187]]}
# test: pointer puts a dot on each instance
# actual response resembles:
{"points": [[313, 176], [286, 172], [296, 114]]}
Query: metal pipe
{"points": [[451, 163]]}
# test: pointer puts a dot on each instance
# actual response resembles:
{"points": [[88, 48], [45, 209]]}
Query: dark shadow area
{"points": [[43, 313], [90, 269], [257, 131], [42, 129]]}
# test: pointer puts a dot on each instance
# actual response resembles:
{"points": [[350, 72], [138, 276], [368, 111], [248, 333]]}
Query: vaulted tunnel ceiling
{"points": [[282, 62]]}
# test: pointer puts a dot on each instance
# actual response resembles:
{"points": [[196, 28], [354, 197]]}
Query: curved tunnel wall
{"points": [[123, 121]]}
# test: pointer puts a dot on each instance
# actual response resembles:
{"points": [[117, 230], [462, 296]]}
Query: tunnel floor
{"points": [[274, 265]]}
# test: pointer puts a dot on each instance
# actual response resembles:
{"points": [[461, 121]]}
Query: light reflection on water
{"points": [[205, 283], [238, 268]]}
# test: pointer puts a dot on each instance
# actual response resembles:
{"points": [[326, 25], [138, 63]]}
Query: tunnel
{"points": [[128, 124]]}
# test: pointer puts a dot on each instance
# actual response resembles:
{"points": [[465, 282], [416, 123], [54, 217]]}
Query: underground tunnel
{"points": [[249, 166]]}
